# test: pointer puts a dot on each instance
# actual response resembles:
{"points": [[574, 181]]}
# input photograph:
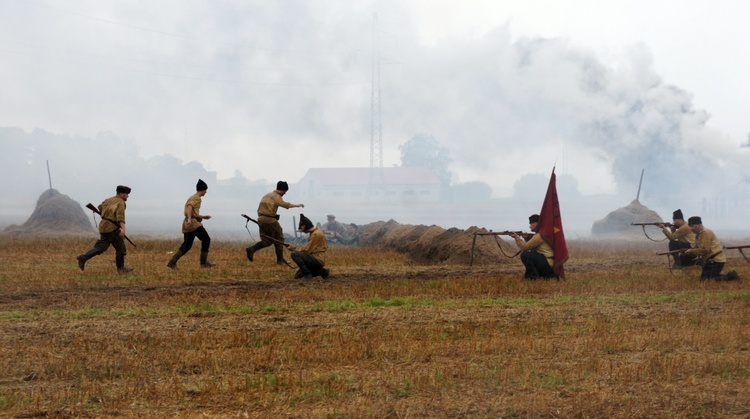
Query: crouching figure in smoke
{"points": [[311, 258], [536, 254], [708, 248]]}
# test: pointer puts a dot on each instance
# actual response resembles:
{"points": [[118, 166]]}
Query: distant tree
{"points": [[471, 191], [531, 186], [425, 151], [534, 186], [747, 143]]}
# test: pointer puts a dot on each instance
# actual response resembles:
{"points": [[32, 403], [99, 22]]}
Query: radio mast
{"points": [[376, 134]]}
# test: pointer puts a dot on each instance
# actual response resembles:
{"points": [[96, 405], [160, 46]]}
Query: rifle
{"points": [[96, 211], [744, 246], [673, 252], [653, 224], [281, 242], [249, 219], [643, 226], [526, 236]]}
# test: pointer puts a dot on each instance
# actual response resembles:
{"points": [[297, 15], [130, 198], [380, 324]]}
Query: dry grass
{"points": [[383, 337]]}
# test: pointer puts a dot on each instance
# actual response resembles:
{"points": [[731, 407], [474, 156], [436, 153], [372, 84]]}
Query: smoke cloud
{"points": [[260, 91]]}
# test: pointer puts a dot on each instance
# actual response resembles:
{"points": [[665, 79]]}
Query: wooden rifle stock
{"points": [[96, 211]]}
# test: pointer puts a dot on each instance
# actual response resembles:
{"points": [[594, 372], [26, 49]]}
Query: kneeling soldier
{"points": [[311, 258]]}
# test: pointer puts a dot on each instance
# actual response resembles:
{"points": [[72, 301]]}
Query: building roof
{"points": [[361, 176]]}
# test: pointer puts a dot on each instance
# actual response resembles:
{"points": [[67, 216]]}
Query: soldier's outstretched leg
{"points": [[250, 251], [172, 264], [86, 256]]}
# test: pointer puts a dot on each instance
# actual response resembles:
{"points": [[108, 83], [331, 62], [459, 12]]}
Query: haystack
{"points": [[55, 213], [618, 222]]}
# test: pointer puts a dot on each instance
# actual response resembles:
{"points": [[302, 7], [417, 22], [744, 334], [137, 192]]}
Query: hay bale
{"points": [[618, 222], [55, 213]]}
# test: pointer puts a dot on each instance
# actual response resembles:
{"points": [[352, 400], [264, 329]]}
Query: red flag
{"points": [[550, 226]]}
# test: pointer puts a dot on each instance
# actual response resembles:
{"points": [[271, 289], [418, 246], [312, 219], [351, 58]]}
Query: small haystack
{"points": [[618, 222], [55, 213]]}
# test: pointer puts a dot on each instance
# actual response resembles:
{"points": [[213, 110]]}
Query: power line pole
{"points": [[376, 133]]}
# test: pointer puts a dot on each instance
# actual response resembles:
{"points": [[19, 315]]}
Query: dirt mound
{"points": [[433, 244], [618, 222], [55, 213]]}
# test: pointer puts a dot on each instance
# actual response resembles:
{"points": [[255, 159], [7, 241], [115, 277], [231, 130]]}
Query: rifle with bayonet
{"points": [[526, 236], [744, 246], [96, 211], [657, 224]]}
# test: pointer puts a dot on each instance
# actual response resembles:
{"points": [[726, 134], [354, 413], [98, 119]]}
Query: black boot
{"points": [[250, 251], [731, 276], [303, 269], [280, 255], [204, 260], [120, 262], [86, 256], [172, 264]]}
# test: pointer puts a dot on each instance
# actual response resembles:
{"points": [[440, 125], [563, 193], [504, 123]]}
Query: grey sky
{"points": [[270, 89]]}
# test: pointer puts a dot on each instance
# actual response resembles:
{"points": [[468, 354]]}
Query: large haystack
{"points": [[618, 222], [55, 213]]}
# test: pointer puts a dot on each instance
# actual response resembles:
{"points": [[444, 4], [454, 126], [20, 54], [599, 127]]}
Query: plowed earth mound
{"points": [[433, 244]]}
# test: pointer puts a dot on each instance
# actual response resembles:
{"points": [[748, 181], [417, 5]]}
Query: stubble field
{"points": [[382, 337]]}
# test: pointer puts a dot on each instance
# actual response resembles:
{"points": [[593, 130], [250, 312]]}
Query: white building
{"points": [[359, 184]]}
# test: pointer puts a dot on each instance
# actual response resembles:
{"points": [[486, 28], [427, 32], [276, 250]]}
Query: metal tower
{"points": [[376, 134]]}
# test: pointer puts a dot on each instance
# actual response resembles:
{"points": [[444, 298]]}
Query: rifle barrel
{"points": [[502, 233]]}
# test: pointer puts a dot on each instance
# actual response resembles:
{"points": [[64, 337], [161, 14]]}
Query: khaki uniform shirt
{"points": [[708, 247], [682, 234], [113, 209], [537, 244], [195, 220], [316, 245], [268, 206]]}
